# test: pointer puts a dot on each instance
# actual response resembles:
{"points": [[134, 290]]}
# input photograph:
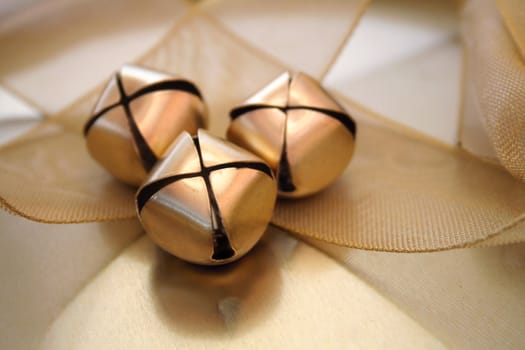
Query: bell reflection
{"points": [[219, 299]]}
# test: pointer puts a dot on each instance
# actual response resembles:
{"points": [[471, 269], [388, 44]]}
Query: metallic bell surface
{"points": [[207, 201], [305, 136], [137, 117]]}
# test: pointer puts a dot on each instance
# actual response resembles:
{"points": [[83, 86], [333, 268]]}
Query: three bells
{"points": [[204, 199]]}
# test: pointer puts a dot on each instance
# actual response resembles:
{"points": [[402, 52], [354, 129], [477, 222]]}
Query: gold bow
{"points": [[402, 192]]}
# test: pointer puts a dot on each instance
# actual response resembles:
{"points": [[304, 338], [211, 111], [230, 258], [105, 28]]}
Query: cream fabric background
{"points": [[104, 285]]}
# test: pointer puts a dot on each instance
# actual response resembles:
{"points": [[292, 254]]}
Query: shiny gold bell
{"points": [[138, 115], [207, 201], [299, 130]]}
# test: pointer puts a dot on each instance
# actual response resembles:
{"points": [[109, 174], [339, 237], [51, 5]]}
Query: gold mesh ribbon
{"points": [[495, 50], [402, 192]]}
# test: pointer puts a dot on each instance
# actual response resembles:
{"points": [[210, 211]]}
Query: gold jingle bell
{"points": [[305, 136], [207, 201], [137, 117]]}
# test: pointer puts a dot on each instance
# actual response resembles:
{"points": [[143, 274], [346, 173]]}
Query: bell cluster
{"points": [[205, 199]]}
